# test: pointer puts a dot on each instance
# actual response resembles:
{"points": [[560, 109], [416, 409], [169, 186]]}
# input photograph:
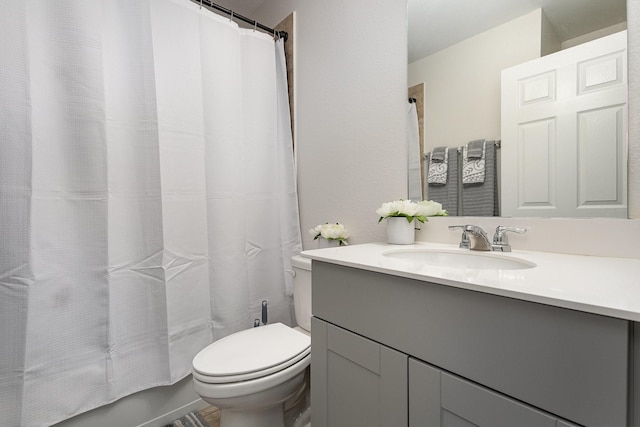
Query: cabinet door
{"points": [[564, 121], [355, 381], [439, 399]]}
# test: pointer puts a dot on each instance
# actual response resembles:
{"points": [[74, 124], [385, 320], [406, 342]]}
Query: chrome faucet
{"points": [[476, 239], [473, 237], [464, 239], [500, 239]]}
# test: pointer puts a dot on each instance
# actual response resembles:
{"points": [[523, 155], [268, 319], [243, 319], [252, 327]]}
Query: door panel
{"points": [[564, 121]]}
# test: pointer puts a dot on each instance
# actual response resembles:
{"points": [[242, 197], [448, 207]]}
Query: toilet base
{"points": [[299, 404], [261, 409], [304, 419]]}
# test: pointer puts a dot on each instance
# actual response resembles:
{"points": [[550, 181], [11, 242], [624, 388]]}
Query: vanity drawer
{"points": [[437, 398], [568, 363]]}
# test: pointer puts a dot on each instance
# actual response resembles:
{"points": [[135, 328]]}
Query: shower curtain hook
{"points": [[255, 25], [231, 19], [200, 4]]}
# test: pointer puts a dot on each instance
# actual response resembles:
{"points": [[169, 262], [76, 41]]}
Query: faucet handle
{"points": [[501, 239], [467, 227], [464, 240]]}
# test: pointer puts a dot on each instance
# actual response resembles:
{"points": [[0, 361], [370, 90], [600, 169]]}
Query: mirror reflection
{"points": [[548, 161]]}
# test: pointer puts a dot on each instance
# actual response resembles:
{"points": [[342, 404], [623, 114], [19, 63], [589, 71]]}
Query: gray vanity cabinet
{"points": [[357, 382], [512, 359], [441, 399]]}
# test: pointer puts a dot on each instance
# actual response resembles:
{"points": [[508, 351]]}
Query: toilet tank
{"points": [[302, 291]]}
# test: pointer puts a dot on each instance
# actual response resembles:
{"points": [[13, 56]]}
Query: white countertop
{"points": [[599, 285]]}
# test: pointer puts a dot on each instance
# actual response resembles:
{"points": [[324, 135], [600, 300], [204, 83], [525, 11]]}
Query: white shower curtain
{"points": [[414, 178], [147, 197]]}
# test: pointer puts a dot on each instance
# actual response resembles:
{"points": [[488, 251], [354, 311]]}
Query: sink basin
{"points": [[458, 259]]}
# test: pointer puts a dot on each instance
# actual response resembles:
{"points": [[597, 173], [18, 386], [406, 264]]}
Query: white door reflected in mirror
{"points": [[564, 121]]}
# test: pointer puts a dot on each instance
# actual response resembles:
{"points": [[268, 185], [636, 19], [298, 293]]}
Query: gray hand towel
{"points": [[447, 194], [475, 149], [438, 170], [473, 169], [481, 199], [438, 153]]}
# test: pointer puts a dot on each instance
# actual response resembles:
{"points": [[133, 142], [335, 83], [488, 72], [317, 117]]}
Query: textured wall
{"points": [[463, 82], [351, 103], [367, 144]]}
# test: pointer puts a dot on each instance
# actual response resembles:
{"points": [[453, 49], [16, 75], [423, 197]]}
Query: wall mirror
{"points": [[457, 49]]}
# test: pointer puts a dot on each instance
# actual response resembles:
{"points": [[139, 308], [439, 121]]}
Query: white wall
{"points": [[367, 135], [351, 101], [462, 82], [596, 237], [594, 35], [550, 42]]}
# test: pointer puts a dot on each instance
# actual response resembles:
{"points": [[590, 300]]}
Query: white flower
{"points": [[316, 232], [410, 210], [430, 208], [386, 209], [328, 231], [398, 208]]}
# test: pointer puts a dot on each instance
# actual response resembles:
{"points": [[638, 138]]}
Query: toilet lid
{"points": [[251, 353]]}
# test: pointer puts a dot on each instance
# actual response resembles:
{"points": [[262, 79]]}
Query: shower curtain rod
{"points": [[282, 34]]}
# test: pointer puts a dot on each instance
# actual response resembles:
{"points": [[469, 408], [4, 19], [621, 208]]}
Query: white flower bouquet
{"points": [[330, 232], [411, 210]]}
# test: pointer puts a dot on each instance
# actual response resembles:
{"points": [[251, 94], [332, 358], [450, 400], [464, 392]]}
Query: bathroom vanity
{"points": [[397, 342]]}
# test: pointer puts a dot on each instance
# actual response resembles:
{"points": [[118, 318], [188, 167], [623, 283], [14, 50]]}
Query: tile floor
{"points": [[211, 415]]}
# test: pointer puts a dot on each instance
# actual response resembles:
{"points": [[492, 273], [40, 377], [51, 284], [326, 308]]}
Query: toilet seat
{"points": [[242, 389], [251, 354]]}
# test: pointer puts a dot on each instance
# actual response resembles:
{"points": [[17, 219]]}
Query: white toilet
{"points": [[251, 374]]}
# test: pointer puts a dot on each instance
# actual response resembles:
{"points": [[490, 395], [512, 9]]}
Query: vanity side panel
{"points": [[319, 372], [569, 363], [634, 395]]}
